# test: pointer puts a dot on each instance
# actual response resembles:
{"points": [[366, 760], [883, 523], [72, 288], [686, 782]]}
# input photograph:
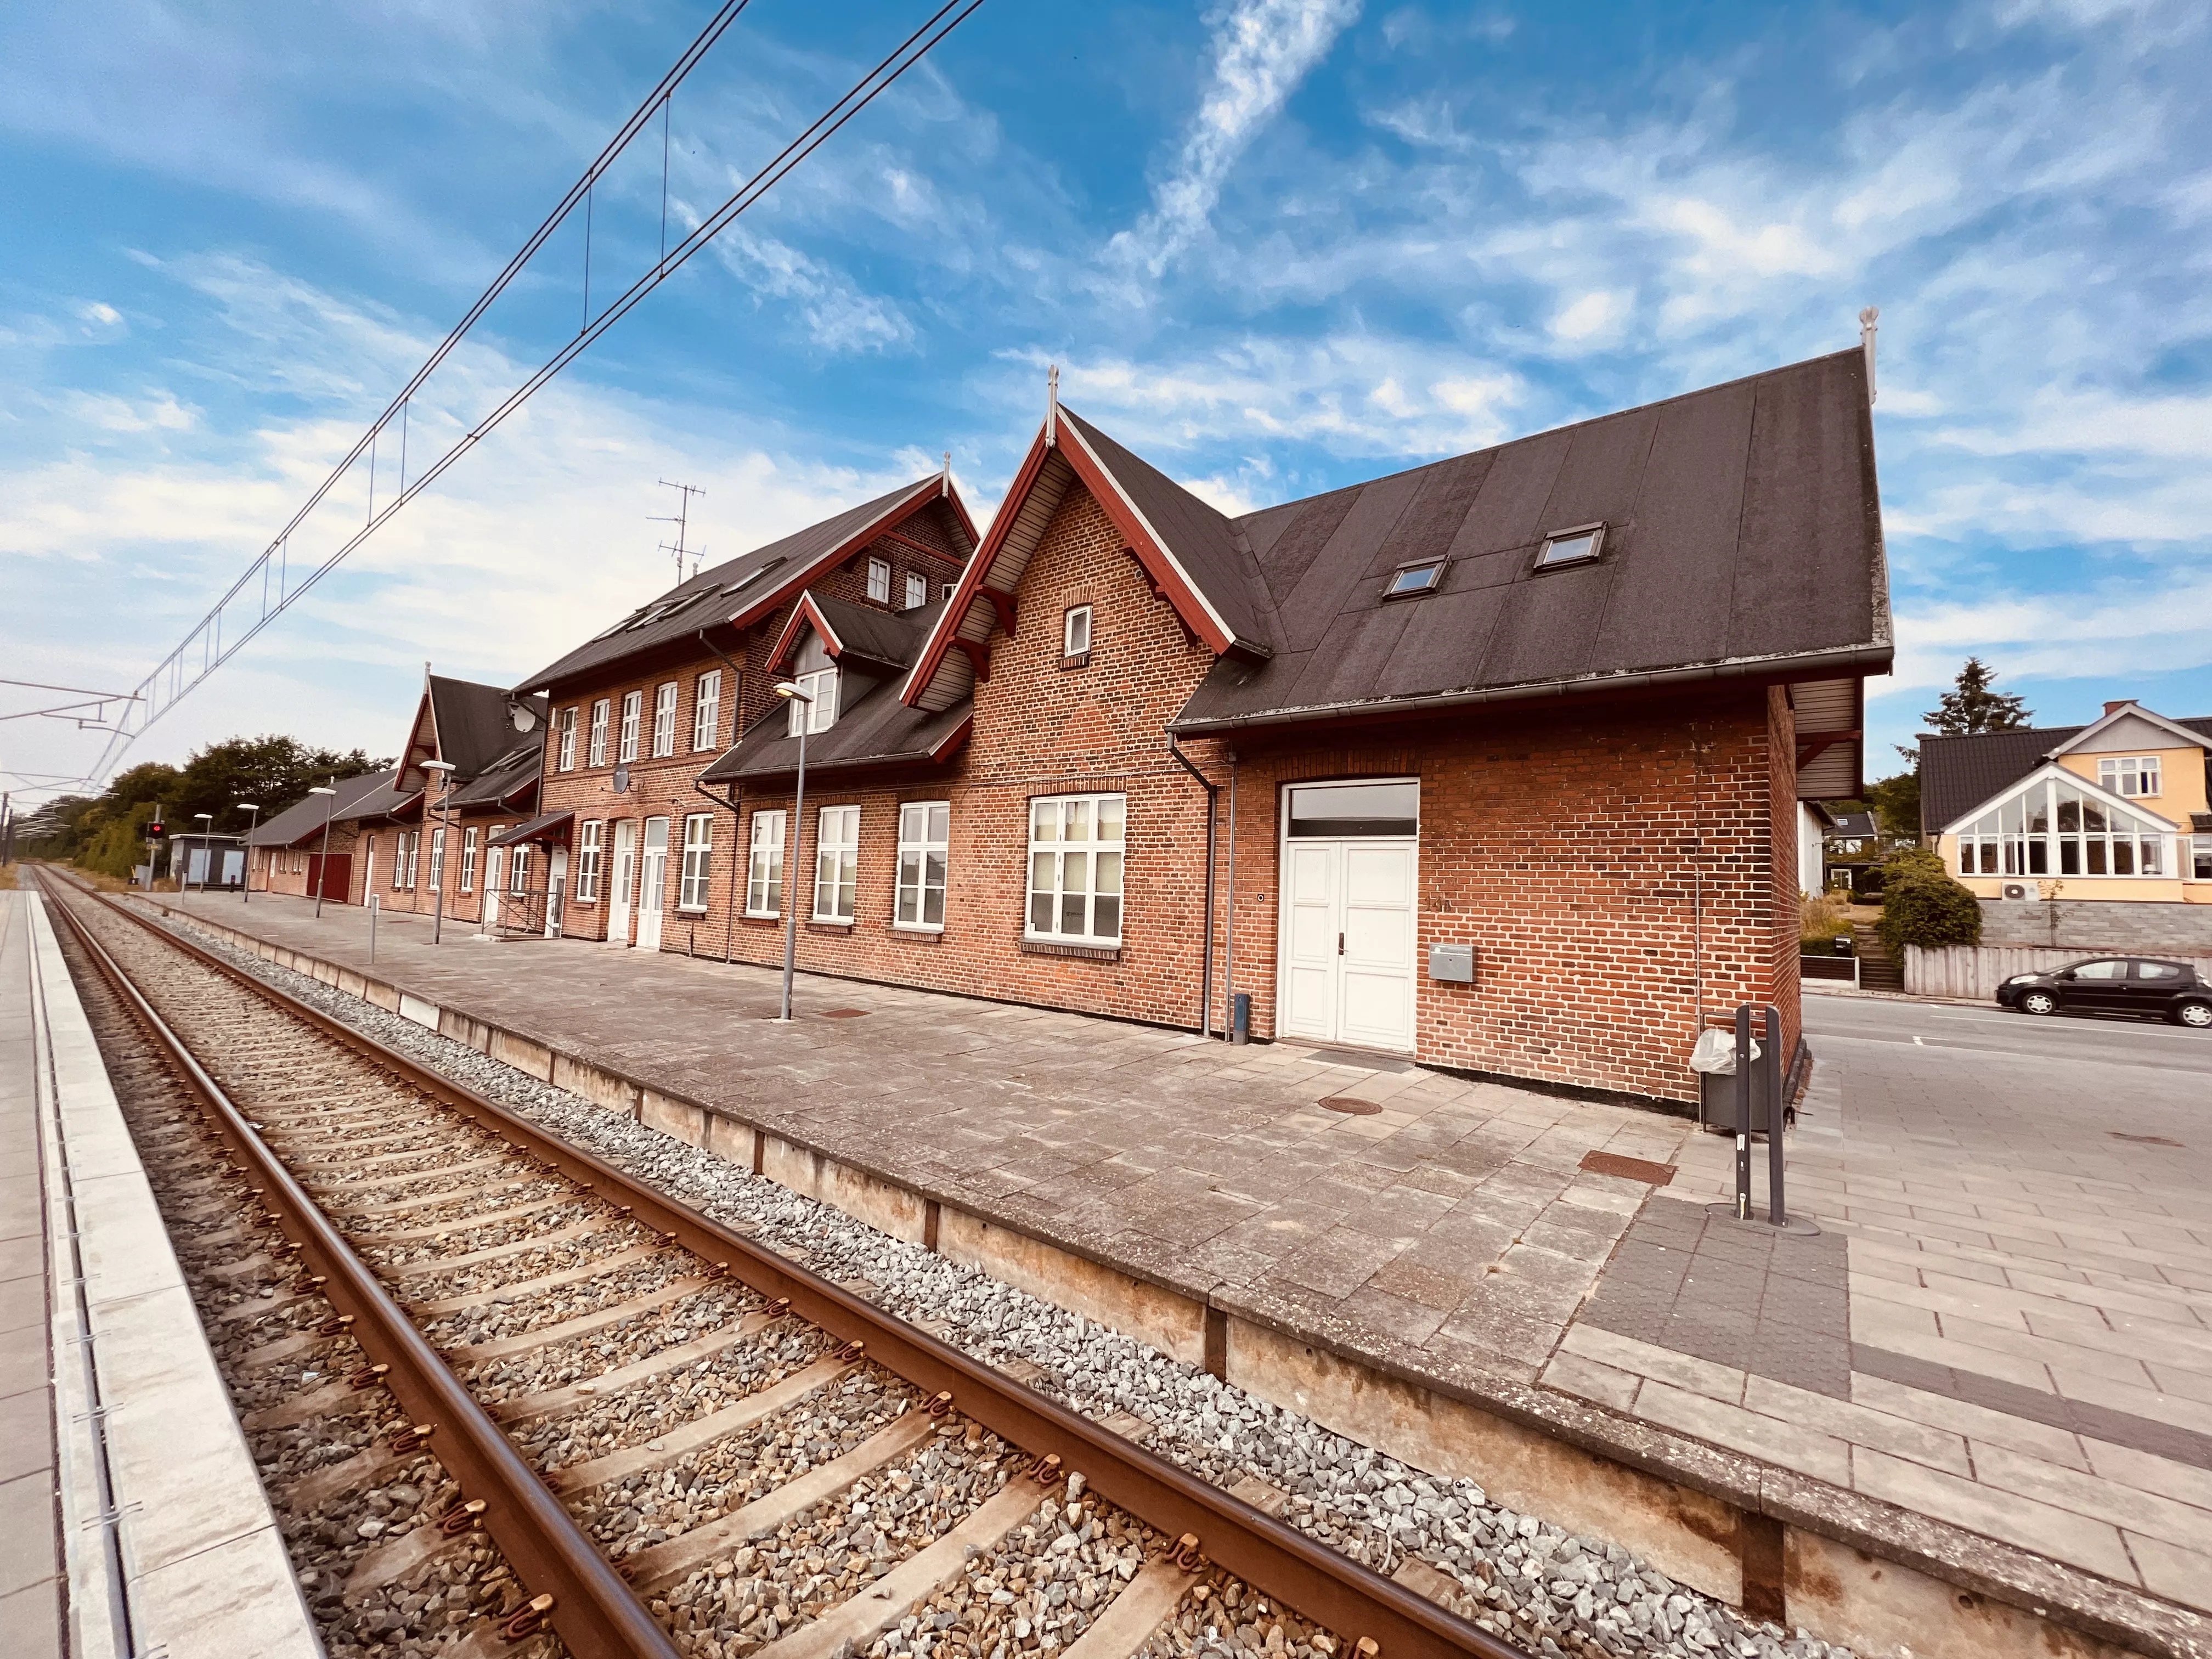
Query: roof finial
{"points": [[945, 478], [1052, 402], [1868, 322]]}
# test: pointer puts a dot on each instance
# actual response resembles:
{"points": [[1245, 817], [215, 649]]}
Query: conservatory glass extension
{"points": [[2053, 825]]}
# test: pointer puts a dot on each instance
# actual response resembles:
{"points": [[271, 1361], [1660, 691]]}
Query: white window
{"points": [[1075, 632], [631, 703], [566, 728], [590, 840], [951, 588], [438, 858], [663, 719], [469, 859], [698, 853], [399, 860], [917, 590], [879, 581], [414, 857], [518, 870], [836, 863], [706, 709], [764, 867], [1075, 868], [819, 715], [2200, 857], [923, 826], [1584, 541], [599, 733], [2132, 775], [2054, 827]]}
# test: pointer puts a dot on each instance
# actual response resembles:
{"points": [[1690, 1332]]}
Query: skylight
{"points": [[1572, 546], [1410, 579], [752, 576]]}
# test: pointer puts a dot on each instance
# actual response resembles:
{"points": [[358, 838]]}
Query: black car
{"points": [[2141, 986]]}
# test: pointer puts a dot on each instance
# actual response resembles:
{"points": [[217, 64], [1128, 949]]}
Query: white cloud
{"points": [[1262, 49], [1594, 318], [838, 316]]}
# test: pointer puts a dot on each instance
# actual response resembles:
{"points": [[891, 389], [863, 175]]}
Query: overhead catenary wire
{"points": [[862, 93]]}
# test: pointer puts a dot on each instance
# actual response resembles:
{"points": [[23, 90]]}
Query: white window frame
{"points": [[2004, 839], [879, 581], [917, 590], [469, 859], [838, 862], [693, 883], [706, 710], [437, 858], [565, 753], [518, 869], [764, 863], [1059, 847], [1076, 621], [821, 713], [663, 719], [591, 856], [598, 749], [399, 861], [920, 840], [2117, 772], [633, 705], [414, 859]]}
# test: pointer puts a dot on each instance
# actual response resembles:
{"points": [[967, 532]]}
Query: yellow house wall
{"points": [[2180, 778]]}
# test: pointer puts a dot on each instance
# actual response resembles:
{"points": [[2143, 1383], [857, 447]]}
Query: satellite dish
{"points": [[525, 717]]}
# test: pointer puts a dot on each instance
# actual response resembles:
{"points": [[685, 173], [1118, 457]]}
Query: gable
{"points": [[2131, 734]]}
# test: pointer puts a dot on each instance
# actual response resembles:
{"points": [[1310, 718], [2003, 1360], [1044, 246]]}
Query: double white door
{"points": [[624, 877], [1348, 941], [652, 883]]}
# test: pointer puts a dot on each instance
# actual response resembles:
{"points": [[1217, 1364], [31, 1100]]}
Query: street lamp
{"points": [[805, 701], [246, 886], [323, 863], [207, 848], [444, 770]]}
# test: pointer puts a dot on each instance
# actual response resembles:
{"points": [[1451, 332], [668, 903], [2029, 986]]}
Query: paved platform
{"points": [[2005, 1324]]}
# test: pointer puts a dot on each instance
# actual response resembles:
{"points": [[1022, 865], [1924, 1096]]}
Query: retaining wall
{"points": [[2086, 925], [1975, 971]]}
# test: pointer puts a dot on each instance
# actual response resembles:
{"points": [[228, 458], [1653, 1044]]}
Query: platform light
{"points": [[794, 692]]}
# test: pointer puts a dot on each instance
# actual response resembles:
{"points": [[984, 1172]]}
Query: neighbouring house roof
{"points": [[875, 729], [1957, 775], [1743, 538], [2050, 768], [745, 588], [1851, 826], [304, 820]]}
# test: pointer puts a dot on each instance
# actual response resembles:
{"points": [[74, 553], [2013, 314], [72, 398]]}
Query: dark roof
{"points": [[1852, 826], [885, 636], [1959, 774], [506, 774], [306, 818], [1743, 536], [733, 587], [387, 801], [537, 828], [476, 724]]}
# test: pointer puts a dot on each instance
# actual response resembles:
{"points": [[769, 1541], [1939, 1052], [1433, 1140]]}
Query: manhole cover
{"points": [[1634, 1169], [2142, 1141], [1356, 1108], [842, 1013]]}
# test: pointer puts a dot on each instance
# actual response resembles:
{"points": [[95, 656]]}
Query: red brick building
{"points": [[1492, 763]]}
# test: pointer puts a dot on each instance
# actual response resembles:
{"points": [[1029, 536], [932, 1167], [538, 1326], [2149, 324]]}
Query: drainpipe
{"points": [[1229, 932], [1205, 966]]}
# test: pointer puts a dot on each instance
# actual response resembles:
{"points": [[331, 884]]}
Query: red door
{"points": [[332, 876]]}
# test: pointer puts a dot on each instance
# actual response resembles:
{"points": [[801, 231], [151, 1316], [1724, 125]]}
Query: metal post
{"points": [[1744, 1095], [374, 905], [245, 884], [323, 866], [791, 870], [1771, 1075]]}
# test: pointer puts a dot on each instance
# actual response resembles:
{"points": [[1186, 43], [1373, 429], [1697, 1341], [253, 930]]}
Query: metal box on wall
{"points": [[1453, 964]]}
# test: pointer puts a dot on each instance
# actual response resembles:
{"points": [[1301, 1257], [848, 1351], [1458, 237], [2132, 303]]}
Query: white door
{"points": [[495, 879], [625, 872], [651, 879], [557, 890], [1348, 930]]}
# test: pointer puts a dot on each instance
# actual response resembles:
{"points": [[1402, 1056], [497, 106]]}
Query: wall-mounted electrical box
{"points": [[1452, 963]]}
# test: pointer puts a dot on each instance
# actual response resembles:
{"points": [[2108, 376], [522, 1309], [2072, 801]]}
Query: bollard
{"points": [[1745, 1100], [1770, 1075], [374, 905], [1240, 1017]]}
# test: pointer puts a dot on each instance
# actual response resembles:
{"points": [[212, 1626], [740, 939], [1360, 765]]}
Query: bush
{"points": [[1924, 907], [1823, 919]]}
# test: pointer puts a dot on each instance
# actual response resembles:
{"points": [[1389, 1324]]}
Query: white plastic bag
{"points": [[1716, 1052]]}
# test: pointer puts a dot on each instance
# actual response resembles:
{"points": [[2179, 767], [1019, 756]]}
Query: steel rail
{"points": [[591, 1609], [1323, 1584]]}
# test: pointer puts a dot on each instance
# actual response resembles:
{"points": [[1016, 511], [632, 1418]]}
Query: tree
{"points": [[1896, 803], [1973, 708]]}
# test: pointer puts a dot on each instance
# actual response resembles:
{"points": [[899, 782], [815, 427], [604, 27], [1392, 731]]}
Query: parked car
{"points": [[2141, 986]]}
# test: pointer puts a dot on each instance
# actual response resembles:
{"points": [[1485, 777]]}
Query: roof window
{"points": [[752, 576], [1574, 546], [1409, 579]]}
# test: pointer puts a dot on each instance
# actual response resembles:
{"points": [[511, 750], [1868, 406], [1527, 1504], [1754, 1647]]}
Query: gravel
{"points": [[1524, 1579]]}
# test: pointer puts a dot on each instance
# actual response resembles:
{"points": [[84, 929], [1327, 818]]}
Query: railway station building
{"points": [[1493, 764]]}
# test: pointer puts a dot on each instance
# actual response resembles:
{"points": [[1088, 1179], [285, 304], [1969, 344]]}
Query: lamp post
{"points": [[323, 862], [805, 701], [246, 885], [443, 771], [206, 821]]}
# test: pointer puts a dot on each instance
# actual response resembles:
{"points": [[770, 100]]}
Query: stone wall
{"points": [[2098, 925]]}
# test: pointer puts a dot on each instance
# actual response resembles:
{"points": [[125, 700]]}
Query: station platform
{"points": [[133, 1520], [1482, 1280]]}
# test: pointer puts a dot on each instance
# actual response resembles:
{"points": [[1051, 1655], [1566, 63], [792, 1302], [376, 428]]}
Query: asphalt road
{"points": [[2108, 1098]]}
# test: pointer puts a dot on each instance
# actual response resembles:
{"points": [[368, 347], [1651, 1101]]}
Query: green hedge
{"points": [[1922, 905]]}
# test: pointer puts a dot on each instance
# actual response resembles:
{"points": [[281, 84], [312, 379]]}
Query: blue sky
{"points": [[1278, 245]]}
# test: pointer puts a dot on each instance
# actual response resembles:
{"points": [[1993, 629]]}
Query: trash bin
{"points": [[1846, 946], [1714, 1062]]}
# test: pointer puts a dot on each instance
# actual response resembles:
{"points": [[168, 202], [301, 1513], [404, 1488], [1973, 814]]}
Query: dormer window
{"points": [[879, 581], [821, 713], [917, 590], [1574, 546], [1075, 634], [2131, 774], [1410, 581]]}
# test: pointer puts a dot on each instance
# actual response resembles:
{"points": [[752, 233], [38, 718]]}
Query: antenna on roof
{"points": [[1868, 321], [681, 518], [1051, 403]]}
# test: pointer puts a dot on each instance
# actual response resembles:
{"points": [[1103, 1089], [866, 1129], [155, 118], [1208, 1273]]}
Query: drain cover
{"points": [[842, 1013], [1356, 1108]]}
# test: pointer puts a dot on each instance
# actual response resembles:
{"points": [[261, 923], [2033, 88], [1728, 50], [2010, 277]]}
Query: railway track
{"points": [[581, 1417]]}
